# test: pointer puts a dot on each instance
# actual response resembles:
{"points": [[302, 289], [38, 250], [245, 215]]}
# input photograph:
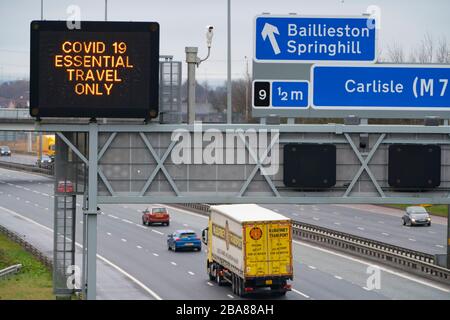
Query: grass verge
{"points": [[33, 282], [436, 210]]}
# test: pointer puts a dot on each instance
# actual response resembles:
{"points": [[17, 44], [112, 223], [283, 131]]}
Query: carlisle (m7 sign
{"points": [[103, 69]]}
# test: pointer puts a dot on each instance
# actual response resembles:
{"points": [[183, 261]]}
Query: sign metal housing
{"points": [[102, 69]]}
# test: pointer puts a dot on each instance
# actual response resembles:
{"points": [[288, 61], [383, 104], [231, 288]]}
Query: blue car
{"points": [[184, 240]]}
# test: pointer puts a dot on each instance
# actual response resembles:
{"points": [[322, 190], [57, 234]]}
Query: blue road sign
{"points": [[401, 87], [289, 94], [312, 39], [281, 94]]}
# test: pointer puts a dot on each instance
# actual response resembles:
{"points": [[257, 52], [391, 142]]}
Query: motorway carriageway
{"points": [[141, 253], [369, 221]]}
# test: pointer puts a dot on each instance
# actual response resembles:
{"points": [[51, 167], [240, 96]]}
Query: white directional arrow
{"points": [[270, 31]]}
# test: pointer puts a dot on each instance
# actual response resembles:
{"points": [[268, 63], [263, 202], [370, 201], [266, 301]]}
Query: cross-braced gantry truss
{"points": [[244, 163]]}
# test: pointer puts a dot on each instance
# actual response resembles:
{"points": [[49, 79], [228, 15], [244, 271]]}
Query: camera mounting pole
{"points": [[194, 61]]}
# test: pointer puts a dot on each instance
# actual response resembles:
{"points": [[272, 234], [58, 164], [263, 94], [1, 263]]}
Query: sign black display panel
{"points": [[103, 69]]}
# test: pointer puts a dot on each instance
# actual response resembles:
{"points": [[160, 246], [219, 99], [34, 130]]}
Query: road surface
{"points": [[141, 252]]}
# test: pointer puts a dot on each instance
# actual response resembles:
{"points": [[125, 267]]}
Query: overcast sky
{"points": [[183, 23]]}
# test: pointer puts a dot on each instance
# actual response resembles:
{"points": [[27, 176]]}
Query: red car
{"points": [[65, 187], [155, 215]]}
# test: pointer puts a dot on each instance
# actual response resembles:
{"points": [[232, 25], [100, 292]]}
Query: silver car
{"points": [[416, 216]]}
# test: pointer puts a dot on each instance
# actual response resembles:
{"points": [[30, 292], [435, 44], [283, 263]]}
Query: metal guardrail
{"points": [[25, 167], [4, 273], [48, 262], [408, 260]]}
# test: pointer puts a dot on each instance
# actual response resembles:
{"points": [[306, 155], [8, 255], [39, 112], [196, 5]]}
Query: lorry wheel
{"points": [[210, 273], [233, 283], [240, 287], [218, 278]]}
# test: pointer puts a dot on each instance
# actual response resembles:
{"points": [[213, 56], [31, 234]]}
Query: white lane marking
{"points": [[411, 239], [143, 227], [439, 246], [338, 277], [127, 221], [114, 217], [365, 288], [108, 233], [17, 198], [173, 263], [45, 194], [300, 293], [156, 231], [316, 219], [312, 267], [27, 189], [385, 234], [81, 222], [396, 273], [9, 195], [382, 222], [36, 205], [27, 201], [155, 254], [337, 223], [46, 209], [185, 225], [138, 211], [431, 232], [295, 214], [143, 286], [361, 228], [34, 191], [230, 296], [125, 207], [124, 240], [209, 284], [139, 247], [102, 213], [191, 273]]}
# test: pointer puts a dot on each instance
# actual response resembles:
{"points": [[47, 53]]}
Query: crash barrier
{"points": [[412, 261]]}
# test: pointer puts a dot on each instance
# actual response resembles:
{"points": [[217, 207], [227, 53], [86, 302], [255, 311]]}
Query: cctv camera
{"points": [[209, 35]]}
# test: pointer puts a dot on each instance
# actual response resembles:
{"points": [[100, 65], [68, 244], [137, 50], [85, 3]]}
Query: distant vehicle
{"points": [[249, 247], [5, 151], [184, 239], [48, 144], [45, 162], [416, 216], [155, 215], [65, 186]]}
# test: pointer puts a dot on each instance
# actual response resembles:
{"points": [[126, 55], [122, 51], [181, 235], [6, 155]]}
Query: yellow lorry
{"points": [[48, 144], [249, 247]]}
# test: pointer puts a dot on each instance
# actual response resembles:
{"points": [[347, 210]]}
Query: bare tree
{"points": [[443, 51], [412, 58], [395, 53], [425, 52]]}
